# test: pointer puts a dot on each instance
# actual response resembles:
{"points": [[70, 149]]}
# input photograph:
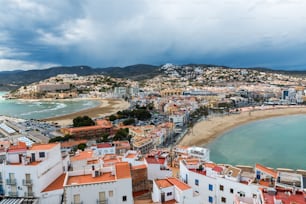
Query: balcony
{"points": [[29, 194], [27, 182], [11, 182], [102, 202], [12, 194]]}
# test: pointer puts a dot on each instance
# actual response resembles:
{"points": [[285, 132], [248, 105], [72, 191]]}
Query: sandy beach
{"points": [[106, 107], [207, 130]]}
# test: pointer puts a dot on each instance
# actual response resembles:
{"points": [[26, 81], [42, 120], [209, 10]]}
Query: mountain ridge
{"points": [[16, 78]]}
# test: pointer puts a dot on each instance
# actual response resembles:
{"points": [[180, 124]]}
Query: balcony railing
{"points": [[28, 194], [13, 194], [102, 202], [11, 181], [27, 182]]}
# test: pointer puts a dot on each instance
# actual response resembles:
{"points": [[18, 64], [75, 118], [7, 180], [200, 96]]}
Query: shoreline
{"points": [[106, 107], [210, 129]]}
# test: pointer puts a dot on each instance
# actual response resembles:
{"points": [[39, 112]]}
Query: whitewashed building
{"points": [[172, 189], [157, 167], [108, 185], [28, 171], [104, 148], [219, 184]]}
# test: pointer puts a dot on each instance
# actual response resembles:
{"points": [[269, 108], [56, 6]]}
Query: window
{"points": [[169, 194], [196, 182], [223, 200], [124, 198], [42, 154], [241, 194], [210, 187], [210, 199], [76, 198], [221, 187], [102, 196], [231, 190], [28, 178], [110, 193]]}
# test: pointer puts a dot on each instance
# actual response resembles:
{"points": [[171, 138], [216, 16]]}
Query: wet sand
{"points": [[106, 107], [207, 130]]}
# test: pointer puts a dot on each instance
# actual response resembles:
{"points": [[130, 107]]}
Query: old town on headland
{"points": [[141, 150]]}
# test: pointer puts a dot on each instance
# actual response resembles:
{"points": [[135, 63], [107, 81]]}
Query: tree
{"points": [[129, 121], [60, 139], [121, 134], [83, 121], [82, 146], [141, 114], [201, 168], [150, 106], [112, 117], [104, 138]]}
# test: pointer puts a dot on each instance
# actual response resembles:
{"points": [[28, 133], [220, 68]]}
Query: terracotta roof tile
{"points": [[72, 143], [56, 184], [87, 179], [82, 156], [153, 160], [123, 170], [104, 145], [266, 170], [210, 165], [163, 183], [142, 166], [86, 128], [217, 169], [21, 146], [181, 185], [43, 146], [131, 155]]}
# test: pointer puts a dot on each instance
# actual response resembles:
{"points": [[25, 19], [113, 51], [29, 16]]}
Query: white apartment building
{"points": [[84, 160], [199, 152], [142, 144], [157, 167], [28, 171], [179, 118], [120, 91], [219, 184], [108, 185], [172, 189], [225, 184], [104, 148], [133, 157]]}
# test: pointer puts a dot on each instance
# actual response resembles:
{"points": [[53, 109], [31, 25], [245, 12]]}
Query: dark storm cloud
{"points": [[38, 34]]}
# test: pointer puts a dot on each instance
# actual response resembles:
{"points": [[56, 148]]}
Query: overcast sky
{"points": [[100, 33]]}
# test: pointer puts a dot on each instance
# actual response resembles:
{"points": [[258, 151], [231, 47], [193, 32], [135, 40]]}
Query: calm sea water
{"points": [[275, 142], [41, 109]]}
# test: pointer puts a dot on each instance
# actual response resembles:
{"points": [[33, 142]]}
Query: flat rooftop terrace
{"points": [[87, 179]]}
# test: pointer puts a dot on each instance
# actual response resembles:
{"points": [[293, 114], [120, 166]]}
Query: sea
{"points": [[42, 109], [278, 142]]}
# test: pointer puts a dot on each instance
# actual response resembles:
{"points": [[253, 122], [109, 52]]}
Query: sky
{"points": [[39, 34]]}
